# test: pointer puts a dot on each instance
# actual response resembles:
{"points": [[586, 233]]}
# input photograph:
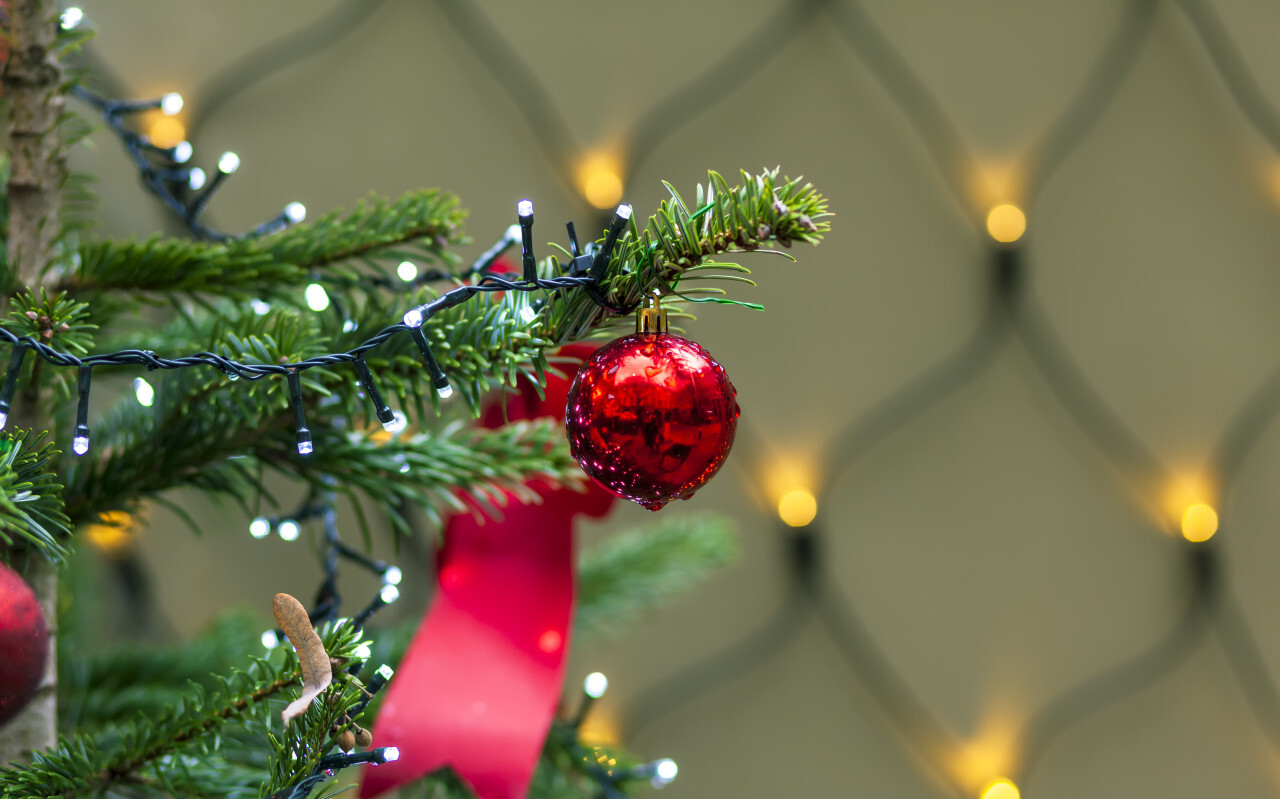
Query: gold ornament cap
{"points": [[651, 317]]}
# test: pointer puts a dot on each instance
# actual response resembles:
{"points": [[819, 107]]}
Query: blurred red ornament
{"points": [[24, 643], [651, 416]]}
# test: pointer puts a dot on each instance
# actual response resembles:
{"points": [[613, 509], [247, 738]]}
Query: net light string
{"points": [[585, 271], [1208, 604]]}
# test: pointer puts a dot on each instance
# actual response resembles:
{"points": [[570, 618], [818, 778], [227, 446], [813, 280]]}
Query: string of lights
{"points": [[585, 271], [1209, 604]]}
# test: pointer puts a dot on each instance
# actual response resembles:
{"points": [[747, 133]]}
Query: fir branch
{"points": [[31, 501], [633, 571], [427, 220]]}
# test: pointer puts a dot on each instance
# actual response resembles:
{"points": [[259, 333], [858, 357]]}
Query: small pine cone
{"points": [[346, 740]]}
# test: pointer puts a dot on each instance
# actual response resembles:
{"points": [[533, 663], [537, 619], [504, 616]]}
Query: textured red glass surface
{"points": [[651, 417], [24, 643]]}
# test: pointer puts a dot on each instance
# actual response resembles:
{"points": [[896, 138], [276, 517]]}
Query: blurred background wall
{"points": [[1001, 468]]}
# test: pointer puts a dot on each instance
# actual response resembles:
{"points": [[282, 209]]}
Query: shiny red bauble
{"points": [[651, 417], [24, 643]]}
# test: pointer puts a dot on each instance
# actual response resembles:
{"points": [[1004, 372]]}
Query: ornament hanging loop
{"points": [[651, 317]]}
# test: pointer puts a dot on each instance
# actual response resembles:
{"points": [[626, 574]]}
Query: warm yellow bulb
{"points": [[1199, 523], [600, 179], [797, 508], [166, 131], [1000, 789], [1006, 223], [113, 533]]}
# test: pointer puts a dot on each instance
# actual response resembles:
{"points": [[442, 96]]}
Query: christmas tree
{"points": [[243, 378]]}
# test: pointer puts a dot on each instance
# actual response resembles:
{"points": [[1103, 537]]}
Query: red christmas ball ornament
{"points": [[651, 416], [24, 643]]}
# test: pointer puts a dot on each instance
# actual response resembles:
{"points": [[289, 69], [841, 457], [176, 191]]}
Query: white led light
{"points": [[171, 103], [391, 753], [295, 212], [270, 640], [407, 270], [446, 392], [528, 314], [259, 527], [195, 179], [306, 447], [413, 318], [80, 445], [71, 18], [392, 575], [363, 651], [624, 211], [389, 593], [665, 771], [317, 298], [182, 152], [513, 233], [289, 530], [228, 163], [143, 391], [595, 685], [386, 671], [397, 423], [349, 325], [524, 208], [259, 307], [4, 420]]}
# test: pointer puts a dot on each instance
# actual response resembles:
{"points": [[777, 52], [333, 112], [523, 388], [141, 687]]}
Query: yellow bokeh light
{"points": [[599, 728], [797, 508], [166, 131], [1199, 523], [1002, 788], [1006, 223], [600, 179], [113, 533]]}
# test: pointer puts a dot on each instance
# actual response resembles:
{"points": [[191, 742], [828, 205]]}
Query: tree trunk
{"points": [[32, 82]]}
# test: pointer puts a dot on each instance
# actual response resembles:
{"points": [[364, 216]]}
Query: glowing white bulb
{"points": [[446, 392], [289, 530], [391, 753], [71, 18], [524, 208], [664, 772], [397, 423], [270, 640], [407, 270], [306, 447], [528, 314], [386, 671], [259, 527], [317, 299], [392, 575], [363, 651], [143, 391], [171, 103], [413, 318], [513, 233], [295, 212], [349, 325], [624, 211], [595, 685], [260, 308], [4, 420], [389, 593], [404, 468], [195, 179], [228, 163], [182, 152], [80, 445]]}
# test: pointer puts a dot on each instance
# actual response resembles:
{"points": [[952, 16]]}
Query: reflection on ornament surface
{"points": [[651, 417]]}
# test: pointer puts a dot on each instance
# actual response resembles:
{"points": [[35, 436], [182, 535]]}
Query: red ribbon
{"points": [[480, 681]]}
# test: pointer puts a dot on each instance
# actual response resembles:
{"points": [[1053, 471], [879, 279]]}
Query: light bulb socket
{"points": [[438, 378], [10, 386], [305, 445], [385, 414], [616, 225], [80, 444], [525, 212]]}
